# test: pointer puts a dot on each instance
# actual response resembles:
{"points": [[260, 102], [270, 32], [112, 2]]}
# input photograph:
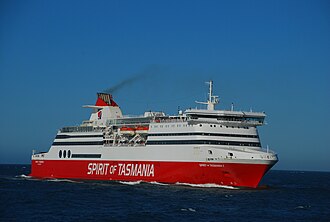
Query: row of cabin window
{"points": [[210, 142], [227, 126], [186, 125], [203, 134], [228, 118]]}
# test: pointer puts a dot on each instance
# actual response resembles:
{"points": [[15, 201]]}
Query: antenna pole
{"points": [[212, 100], [210, 90]]}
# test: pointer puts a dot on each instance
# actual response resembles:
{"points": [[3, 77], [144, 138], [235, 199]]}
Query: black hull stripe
{"points": [[77, 136], [90, 143], [86, 156]]}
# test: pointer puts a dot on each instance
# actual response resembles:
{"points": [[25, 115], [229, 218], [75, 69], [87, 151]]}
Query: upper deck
{"points": [[226, 117], [106, 113]]}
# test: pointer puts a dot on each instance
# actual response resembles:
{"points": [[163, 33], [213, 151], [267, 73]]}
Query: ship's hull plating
{"points": [[226, 174]]}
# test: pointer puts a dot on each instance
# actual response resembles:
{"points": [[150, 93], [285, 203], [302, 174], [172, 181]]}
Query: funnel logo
{"points": [[99, 114]]}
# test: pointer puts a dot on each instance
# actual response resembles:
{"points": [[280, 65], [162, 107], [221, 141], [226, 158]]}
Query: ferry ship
{"points": [[197, 146]]}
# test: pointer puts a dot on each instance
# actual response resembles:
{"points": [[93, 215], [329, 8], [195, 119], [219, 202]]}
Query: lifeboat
{"points": [[127, 130], [142, 129]]}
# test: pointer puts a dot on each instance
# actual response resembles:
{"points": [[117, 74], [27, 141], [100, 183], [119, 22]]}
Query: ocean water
{"points": [[284, 196]]}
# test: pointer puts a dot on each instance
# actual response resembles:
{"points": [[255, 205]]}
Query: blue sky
{"points": [[271, 56]]}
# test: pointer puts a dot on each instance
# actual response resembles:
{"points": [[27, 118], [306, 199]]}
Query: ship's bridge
{"points": [[224, 117]]}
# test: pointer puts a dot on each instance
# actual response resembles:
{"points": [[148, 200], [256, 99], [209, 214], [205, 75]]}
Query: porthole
{"points": [[64, 153], [60, 154], [200, 125], [69, 153]]}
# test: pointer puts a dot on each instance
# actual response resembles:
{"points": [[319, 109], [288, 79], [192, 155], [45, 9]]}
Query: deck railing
{"points": [[71, 129]]}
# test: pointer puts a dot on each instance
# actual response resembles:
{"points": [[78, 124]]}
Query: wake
{"points": [[27, 177], [132, 183], [207, 185]]}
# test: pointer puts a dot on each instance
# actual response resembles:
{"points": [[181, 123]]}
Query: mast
{"points": [[212, 100]]}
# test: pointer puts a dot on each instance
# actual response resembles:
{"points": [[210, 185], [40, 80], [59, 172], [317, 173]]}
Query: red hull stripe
{"points": [[229, 174]]}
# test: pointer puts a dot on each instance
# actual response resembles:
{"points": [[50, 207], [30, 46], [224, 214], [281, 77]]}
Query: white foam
{"points": [[188, 209], [208, 185], [130, 182], [157, 183], [24, 176], [141, 181], [302, 207], [62, 180], [191, 209]]}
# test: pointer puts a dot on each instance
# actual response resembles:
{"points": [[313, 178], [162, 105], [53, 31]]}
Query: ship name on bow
{"points": [[121, 169]]}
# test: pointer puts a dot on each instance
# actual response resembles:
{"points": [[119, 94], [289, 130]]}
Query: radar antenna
{"points": [[212, 100]]}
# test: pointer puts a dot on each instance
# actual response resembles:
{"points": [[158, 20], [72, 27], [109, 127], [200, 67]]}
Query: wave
{"points": [[303, 207], [23, 176], [208, 185], [157, 183], [63, 180], [141, 181], [131, 182], [188, 209]]}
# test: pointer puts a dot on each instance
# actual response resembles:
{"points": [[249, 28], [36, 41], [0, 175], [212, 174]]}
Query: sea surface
{"points": [[284, 196]]}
